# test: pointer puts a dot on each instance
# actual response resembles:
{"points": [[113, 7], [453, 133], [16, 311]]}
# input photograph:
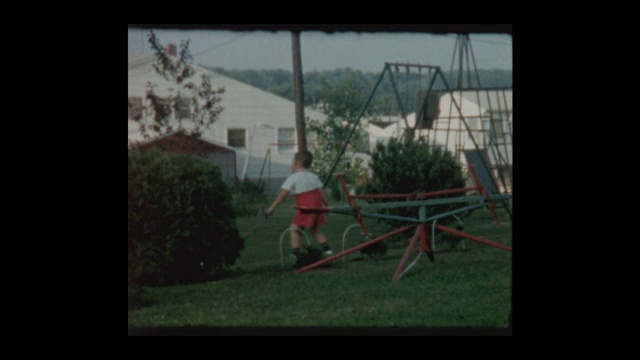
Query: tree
{"points": [[199, 101], [342, 104]]}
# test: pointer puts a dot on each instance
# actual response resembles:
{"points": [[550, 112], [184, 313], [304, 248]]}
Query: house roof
{"points": [[241, 102], [141, 68], [181, 143]]}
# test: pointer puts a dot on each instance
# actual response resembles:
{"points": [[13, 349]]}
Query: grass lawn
{"points": [[467, 287]]}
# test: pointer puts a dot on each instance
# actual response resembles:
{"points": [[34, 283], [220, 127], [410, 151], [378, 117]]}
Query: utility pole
{"points": [[298, 92]]}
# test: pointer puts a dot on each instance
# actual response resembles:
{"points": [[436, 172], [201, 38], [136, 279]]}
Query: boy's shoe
{"points": [[328, 252]]}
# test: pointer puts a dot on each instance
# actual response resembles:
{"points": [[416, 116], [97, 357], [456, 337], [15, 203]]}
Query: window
{"points": [[286, 140], [183, 110], [237, 138], [135, 108]]}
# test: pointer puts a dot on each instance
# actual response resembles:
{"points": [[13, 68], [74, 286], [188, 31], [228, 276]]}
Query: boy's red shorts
{"points": [[312, 199]]}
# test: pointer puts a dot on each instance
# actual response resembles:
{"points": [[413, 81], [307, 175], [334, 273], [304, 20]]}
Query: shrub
{"points": [[406, 167], [181, 225], [249, 197]]}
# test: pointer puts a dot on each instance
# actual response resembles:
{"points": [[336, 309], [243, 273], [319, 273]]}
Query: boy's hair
{"points": [[305, 158]]}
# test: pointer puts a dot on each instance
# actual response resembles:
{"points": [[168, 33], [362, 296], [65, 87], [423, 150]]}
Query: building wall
{"points": [[449, 130], [227, 164], [259, 113]]}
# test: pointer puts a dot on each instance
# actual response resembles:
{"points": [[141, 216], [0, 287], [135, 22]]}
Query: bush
{"points": [[181, 224], [249, 198], [401, 167]]}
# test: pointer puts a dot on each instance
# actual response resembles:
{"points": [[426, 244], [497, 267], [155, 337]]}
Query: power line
{"points": [[139, 62], [491, 42], [220, 45]]}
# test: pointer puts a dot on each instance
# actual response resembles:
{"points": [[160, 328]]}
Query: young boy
{"points": [[307, 188]]}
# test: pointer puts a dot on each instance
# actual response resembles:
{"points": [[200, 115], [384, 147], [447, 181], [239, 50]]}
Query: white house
{"points": [[260, 126], [488, 114]]}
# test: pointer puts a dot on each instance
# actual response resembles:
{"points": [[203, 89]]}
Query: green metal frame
{"points": [[387, 68]]}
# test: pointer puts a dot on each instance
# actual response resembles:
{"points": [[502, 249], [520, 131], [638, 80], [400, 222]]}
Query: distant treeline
{"points": [[316, 83]]}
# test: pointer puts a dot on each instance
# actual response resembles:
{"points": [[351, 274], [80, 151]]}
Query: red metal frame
{"points": [[353, 249], [422, 235], [353, 204], [412, 195], [474, 238], [421, 230]]}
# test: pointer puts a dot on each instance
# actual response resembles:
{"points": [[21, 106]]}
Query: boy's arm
{"points": [[283, 195]]}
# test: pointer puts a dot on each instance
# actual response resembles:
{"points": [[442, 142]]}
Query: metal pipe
{"points": [[494, 139], [474, 238], [474, 65], [502, 159], [414, 195], [353, 203], [390, 217], [410, 265], [475, 144], [461, 64], [508, 113], [353, 249], [355, 125], [344, 237], [407, 252], [412, 65], [452, 212], [348, 210], [282, 237], [453, 58], [466, 49], [395, 91], [424, 102]]}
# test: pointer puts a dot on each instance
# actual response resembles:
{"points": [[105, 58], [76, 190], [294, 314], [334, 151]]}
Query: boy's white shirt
{"points": [[302, 181]]}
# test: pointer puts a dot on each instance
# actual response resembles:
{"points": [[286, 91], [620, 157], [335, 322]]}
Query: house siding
{"points": [[259, 112]]}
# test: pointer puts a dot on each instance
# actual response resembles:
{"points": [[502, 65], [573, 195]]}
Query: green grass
{"points": [[468, 287]]}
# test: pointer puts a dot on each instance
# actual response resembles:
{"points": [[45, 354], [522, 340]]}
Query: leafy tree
{"points": [[201, 100], [342, 104]]}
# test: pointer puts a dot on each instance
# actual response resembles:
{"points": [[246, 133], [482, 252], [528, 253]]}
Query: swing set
{"points": [[492, 135]]}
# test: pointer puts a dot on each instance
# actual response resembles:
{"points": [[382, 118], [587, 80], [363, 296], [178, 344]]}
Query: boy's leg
{"points": [[318, 234], [322, 240], [295, 239]]}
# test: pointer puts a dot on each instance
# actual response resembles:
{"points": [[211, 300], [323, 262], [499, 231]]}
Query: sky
{"points": [[364, 51]]}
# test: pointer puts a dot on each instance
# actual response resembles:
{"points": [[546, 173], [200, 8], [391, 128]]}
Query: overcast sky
{"points": [[323, 51]]}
